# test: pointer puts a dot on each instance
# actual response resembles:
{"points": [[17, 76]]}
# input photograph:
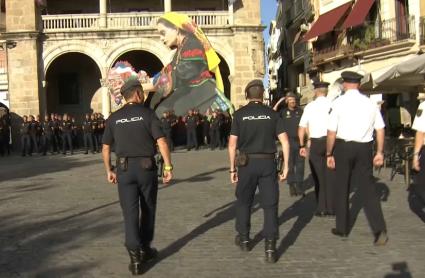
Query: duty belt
{"points": [[262, 155]]}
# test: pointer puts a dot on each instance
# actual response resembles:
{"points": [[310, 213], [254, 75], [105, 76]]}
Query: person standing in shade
{"points": [[255, 128], [134, 130], [47, 135], [88, 134], [166, 125], [25, 136], [66, 130], [418, 161], [291, 116], [215, 128], [94, 128], [33, 131], [314, 125], [191, 122], [349, 150]]}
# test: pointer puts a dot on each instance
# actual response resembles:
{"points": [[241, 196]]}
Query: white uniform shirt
{"points": [[315, 117], [354, 117], [419, 122]]}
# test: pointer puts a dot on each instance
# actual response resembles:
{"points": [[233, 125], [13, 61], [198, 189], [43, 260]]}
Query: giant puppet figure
{"points": [[192, 79]]}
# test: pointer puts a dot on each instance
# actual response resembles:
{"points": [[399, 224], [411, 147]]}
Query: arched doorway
{"points": [[225, 72], [72, 80], [142, 60]]}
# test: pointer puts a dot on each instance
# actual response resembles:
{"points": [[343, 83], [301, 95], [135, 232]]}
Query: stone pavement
{"points": [[59, 218]]}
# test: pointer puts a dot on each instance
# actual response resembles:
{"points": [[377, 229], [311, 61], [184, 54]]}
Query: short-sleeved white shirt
{"points": [[354, 117], [315, 117], [419, 122]]}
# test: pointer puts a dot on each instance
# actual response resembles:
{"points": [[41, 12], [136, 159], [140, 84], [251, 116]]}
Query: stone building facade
{"points": [[58, 55]]}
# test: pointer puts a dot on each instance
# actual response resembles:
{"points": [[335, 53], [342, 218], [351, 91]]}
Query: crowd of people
{"points": [[61, 134], [208, 130]]}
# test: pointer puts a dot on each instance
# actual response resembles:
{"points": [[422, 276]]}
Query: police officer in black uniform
{"points": [[47, 135], [66, 129], [25, 136], [88, 134], [418, 160], [33, 131], [134, 130], [291, 116], [349, 150], [191, 122], [167, 127], [215, 130], [255, 128]]}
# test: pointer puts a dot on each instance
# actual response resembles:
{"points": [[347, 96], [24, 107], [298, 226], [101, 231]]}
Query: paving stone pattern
{"points": [[60, 218]]}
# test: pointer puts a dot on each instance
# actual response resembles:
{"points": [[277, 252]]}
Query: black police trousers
{"points": [[47, 143], [261, 173], [88, 141], [322, 176], [419, 178], [192, 138], [295, 163], [137, 189], [25, 144], [353, 158], [67, 139], [215, 138]]}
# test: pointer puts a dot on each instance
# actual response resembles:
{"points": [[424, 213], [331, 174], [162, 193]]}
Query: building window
{"points": [[68, 89]]}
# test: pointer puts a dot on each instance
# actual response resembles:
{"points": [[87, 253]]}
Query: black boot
{"points": [[135, 265], [243, 242], [148, 253], [270, 250]]}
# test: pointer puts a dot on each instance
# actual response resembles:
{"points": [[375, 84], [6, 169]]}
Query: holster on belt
{"points": [[122, 163], [147, 163], [242, 159]]}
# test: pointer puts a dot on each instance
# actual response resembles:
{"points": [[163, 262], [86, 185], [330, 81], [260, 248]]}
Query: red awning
{"points": [[326, 22], [358, 13]]}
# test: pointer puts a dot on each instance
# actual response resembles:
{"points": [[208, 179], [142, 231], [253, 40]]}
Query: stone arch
{"points": [[150, 45], [225, 51], [91, 50]]}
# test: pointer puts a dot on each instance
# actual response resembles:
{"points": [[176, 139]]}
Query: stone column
{"points": [[167, 6], [103, 11], [24, 66], [106, 99], [231, 13]]}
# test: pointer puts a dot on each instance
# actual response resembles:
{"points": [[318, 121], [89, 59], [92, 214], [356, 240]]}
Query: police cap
{"points": [[351, 77], [320, 84], [130, 85], [254, 83]]}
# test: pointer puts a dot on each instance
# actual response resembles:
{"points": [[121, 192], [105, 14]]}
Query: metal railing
{"points": [[299, 49], [298, 8], [369, 36], [125, 21]]}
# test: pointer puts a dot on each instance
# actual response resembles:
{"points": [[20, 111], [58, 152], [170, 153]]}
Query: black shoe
{"points": [[148, 253], [86, 152], [135, 266], [270, 251], [23, 154], [338, 233], [330, 214], [243, 242], [381, 239]]}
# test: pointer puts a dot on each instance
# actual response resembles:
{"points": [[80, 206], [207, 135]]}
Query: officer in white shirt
{"points": [[353, 118], [419, 153], [314, 124]]}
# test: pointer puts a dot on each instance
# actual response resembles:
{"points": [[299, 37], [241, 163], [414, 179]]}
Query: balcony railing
{"points": [[422, 29], [299, 49], [297, 9], [370, 36], [125, 21]]}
